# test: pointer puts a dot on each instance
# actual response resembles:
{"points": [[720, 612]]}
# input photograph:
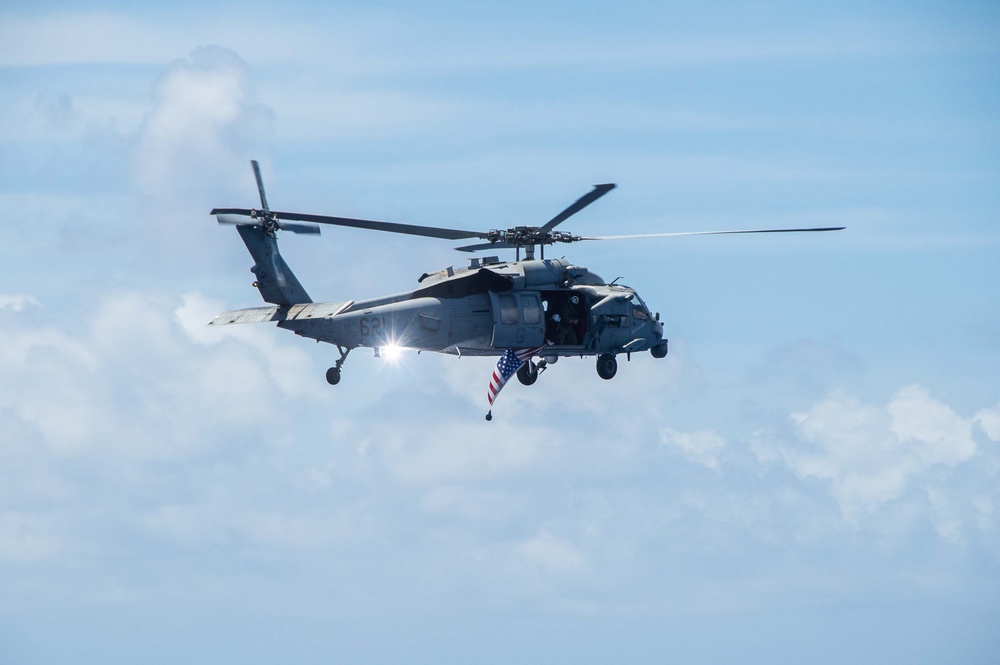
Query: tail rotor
{"points": [[265, 219]]}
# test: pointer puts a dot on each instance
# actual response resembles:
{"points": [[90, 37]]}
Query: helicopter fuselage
{"points": [[483, 310], [490, 307]]}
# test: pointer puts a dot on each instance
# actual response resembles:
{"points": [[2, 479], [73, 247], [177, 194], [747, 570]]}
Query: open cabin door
{"points": [[518, 319]]}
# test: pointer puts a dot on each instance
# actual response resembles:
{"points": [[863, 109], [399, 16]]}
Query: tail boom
{"points": [[275, 280]]}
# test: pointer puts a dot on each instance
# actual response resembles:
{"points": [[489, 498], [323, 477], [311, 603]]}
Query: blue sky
{"points": [[811, 474]]}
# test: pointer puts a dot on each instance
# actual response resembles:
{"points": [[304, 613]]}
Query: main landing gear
{"points": [[607, 366], [333, 374], [528, 373]]}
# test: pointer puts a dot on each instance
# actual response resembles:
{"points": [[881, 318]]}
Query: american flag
{"points": [[509, 363]]}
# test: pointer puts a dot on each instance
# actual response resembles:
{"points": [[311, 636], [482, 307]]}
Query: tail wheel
{"points": [[333, 376], [607, 366]]}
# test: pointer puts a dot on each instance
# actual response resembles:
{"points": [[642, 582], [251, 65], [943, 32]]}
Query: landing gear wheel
{"points": [[528, 373], [660, 350], [333, 374], [607, 366]]}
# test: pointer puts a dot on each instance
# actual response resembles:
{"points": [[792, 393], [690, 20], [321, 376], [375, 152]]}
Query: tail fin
{"points": [[275, 280]]}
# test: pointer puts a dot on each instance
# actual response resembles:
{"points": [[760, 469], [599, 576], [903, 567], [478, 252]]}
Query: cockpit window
{"points": [[639, 310]]}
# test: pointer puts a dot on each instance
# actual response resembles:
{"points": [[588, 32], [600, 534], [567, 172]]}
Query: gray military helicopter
{"points": [[548, 306]]}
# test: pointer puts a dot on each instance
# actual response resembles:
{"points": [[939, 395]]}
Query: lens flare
{"points": [[392, 352]]}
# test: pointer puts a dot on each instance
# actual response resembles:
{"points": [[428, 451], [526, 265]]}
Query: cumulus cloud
{"points": [[939, 435], [205, 124], [989, 421], [871, 455], [136, 381], [911, 461], [46, 389], [286, 364]]}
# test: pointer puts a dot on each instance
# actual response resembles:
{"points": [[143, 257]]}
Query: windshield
{"points": [[639, 309]]}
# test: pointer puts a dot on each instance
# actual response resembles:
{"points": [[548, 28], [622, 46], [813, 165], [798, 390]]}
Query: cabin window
{"points": [[508, 309], [530, 308]]}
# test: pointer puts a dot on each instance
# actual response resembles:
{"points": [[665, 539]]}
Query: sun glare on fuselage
{"points": [[392, 353]]}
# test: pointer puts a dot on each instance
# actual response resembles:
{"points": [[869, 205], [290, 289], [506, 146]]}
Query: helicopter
{"points": [[545, 308]]}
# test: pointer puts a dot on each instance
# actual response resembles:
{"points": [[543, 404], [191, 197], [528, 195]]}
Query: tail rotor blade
{"points": [[237, 220], [311, 229], [260, 184], [242, 217]]}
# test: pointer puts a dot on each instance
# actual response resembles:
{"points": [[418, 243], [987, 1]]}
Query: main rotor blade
{"points": [[710, 233], [260, 183], [389, 227], [486, 245], [507, 245], [597, 192]]}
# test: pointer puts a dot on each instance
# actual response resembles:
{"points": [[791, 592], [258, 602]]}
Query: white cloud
{"points": [[554, 554], [287, 364], [205, 124], [17, 302], [134, 381], [51, 385], [989, 421], [940, 435], [872, 455], [703, 447]]}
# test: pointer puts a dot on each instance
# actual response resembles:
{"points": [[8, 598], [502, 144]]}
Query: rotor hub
{"points": [[525, 236], [268, 221]]}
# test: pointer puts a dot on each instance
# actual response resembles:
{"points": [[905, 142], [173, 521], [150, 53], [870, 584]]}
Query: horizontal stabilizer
{"points": [[253, 315], [319, 310]]}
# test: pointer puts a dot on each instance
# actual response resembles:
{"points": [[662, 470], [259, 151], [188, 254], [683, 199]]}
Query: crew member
{"points": [[568, 319]]}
